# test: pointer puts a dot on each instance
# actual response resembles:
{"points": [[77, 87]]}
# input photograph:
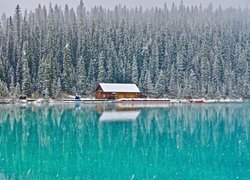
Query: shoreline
{"points": [[124, 100]]}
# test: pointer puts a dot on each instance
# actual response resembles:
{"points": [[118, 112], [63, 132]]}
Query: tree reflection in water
{"points": [[178, 141]]}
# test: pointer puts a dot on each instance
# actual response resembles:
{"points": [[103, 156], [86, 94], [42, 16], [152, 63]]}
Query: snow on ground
{"points": [[178, 100]]}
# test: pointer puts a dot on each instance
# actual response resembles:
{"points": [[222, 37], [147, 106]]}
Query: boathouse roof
{"points": [[119, 87], [116, 116]]}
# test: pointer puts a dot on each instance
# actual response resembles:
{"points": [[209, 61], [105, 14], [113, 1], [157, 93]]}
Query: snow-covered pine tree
{"points": [[180, 65], [58, 88], [135, 75], [149, 84], [81, 76], [160, 85], [3, 89], [217, 70], [193, 84], [101, 69], [172, 83], [17, 90], [12, 83], [67, 67], [26, 79]]}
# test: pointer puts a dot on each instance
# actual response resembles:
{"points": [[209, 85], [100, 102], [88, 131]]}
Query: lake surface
{"points": [[125, 141]]}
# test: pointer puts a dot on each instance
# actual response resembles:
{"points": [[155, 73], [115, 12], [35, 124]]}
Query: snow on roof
{"points": [[116, 87], [116, 116]]}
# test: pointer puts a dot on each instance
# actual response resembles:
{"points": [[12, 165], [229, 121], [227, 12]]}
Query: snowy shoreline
{"points": [[124, 100], [202, 100]]}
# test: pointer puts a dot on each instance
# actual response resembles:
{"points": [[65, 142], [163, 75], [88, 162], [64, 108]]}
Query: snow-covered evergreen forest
{"points": [[174, 51]]}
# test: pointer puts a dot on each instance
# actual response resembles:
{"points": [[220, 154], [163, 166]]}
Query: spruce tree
{"points": [[81, 76], [149, 84], [17, 90], [172, 83], [160, 85], [205, 75], [101, 68], [193, 84], [217, 71], [134, 71], [12, 82], [3, 89], [58, 88], [26, 79], [67, 68], [180, 65]]}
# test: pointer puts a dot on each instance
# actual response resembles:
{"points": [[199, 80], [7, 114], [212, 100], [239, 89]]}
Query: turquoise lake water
{"points": [[125, 141]]}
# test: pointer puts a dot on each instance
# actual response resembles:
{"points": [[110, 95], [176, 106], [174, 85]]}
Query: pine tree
{"points": [[67, 68], [227, 82], [217, 71], [149, 84], [40, 74], [193, 84], [205, 74], [2, 65], [44, 78], [160, 85], [154, 62], [110, 70], [142, 76], [134, 71], [247, 50], [17, 90], [46, 93], [91, 78], [172, 83], [101, 68], [180, 64], [3, 89], [81, 76], [58, 88], [17, 23], [246, 83], [46, 75], [26, 79], [231, 85], [12, 82]]}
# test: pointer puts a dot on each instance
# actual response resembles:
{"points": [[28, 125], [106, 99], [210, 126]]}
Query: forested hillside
{"points": [[175, 51]]}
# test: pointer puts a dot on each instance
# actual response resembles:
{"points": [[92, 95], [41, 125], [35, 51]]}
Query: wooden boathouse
{"points": [[116, 91]]}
